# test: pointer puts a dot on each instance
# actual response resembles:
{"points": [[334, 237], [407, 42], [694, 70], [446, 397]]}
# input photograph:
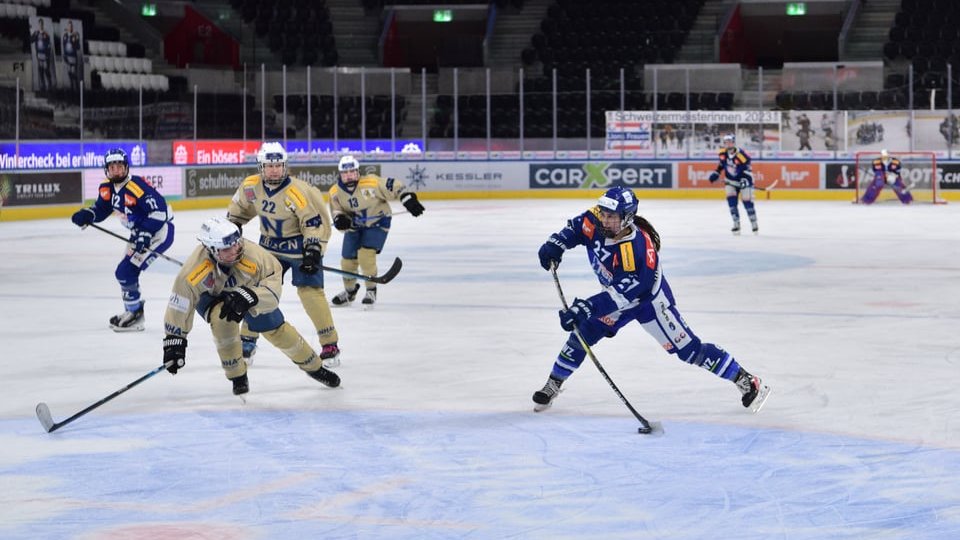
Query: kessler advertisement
{"points": [[167, 180], [459, 176]]}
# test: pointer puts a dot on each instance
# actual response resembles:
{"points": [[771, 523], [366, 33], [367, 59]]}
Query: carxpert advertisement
{"points": [[600, 175]]}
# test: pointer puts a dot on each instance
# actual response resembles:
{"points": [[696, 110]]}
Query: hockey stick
{"points": [[46, 420], [382, 279], [768, 188], [115, 235], [371, 218], [645, 426]]}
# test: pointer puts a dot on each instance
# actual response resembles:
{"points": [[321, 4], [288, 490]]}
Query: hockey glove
{"points": [[579, 313], [411, 203], [342, 222], [550, 252], [174, 353], [312, 259], [83, 217], [714, 176], [237, 303], [140, 240]]}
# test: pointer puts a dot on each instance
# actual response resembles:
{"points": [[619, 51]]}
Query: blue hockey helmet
{"points": [[621, 201], [116, 155]]}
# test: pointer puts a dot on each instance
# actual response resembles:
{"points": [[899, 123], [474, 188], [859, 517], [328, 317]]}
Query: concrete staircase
{"points": [[699, 45], [870, 30], [513, 30], [145, 35], [750, 97], [412, 127], [357, 33]]}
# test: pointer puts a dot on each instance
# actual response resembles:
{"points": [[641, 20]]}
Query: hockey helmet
{"points": [[622, 202], [116, 155], [269, 153], [884, 156], [218, 234], [729, 141], [349, 171]]}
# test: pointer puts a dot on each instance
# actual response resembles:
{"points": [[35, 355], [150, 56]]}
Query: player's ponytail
{"points": [[647, 227]]}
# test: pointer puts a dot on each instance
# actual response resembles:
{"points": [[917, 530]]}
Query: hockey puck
{"points": [[643, 430]]}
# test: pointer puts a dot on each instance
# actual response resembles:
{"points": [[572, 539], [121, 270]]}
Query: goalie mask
{"points": [[884, 157], [618, 206], [349, 171], [272, 160], [121, 165], [222, 240]]}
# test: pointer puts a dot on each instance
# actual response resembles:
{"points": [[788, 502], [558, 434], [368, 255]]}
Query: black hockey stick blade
{"points": [[46, 420], [390, 273], [654, 429]]}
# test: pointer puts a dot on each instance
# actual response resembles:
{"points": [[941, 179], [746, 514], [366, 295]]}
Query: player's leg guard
{"points": [[314, 302], [902, 192], [734, 212], [570, 358], [291, 343], [368, 264], [746, 195], [349, 284], [226, 338], [248, 342], [128, 276], [873, 190]]}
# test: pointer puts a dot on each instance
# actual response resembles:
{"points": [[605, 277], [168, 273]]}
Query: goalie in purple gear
{"points": [[623, 250], [735, 166], [144, 211], [886, 170]]}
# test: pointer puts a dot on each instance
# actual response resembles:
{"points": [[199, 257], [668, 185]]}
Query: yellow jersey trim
{"points": [[626, 257], [200, 272]]}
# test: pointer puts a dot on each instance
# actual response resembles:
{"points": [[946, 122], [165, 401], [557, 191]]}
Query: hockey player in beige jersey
{"points": [[228, 279], [361, 209], [294, 228]]}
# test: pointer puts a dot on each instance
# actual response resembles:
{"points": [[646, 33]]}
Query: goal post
{"points": [[918, 170]]}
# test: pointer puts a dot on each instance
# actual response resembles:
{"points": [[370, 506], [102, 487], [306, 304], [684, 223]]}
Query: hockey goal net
{"points": [[918, 170]]}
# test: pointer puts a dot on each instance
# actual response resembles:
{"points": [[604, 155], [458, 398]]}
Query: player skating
{"points": [[294, 228], [623, 250], [361, 209], [886, 170], [144, 211], [228, 279], [735, 166]]}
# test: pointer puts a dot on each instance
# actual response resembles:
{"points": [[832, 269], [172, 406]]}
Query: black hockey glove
{"points": [[174, 353], [714, 176], [312, 259], [550, 252], [580, 312], [140, 240], [411, 203], [342, 222], [83, 217], [237, 303]]}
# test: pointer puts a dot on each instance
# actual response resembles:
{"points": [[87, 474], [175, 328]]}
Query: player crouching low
{"points": [[227, 280], [886, 170]]}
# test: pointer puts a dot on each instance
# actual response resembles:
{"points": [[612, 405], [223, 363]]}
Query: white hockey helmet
{"points": [[349, 164], [218, 234], [728, 139], [272, 152], [884, 155]]}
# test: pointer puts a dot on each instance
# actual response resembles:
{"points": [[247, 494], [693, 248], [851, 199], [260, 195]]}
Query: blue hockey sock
{"points": [[569, 359], [716, 361], [751, 211], [734, 212], [131, 297]]}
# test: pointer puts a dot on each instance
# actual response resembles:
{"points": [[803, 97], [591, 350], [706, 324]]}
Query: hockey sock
{"points": [[751, 211], [368, 264], [131, 296], [734, 212], [349, 265], [291, 343], [716, 361], [569, 359], [314, 302], [229, 349]]}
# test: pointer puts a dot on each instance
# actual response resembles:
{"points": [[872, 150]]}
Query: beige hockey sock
{"points": [[315, 303], [368, 264], [226, 338], [291, 343], [246, 332], [349, 265]]}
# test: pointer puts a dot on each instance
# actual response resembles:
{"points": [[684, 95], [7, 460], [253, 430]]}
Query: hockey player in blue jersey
{"points": [[735, 166], [886, 170], [623, 249], [144, 211]]}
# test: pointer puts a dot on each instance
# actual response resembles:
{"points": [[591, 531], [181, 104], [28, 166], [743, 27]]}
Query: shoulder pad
{"points": [[105, 191], [334, 189], [626, 256], [134, 188], [197, 274], [588, 227], [722, 153], [369, 181], [251, 180], [247, 265], [296, 197]]}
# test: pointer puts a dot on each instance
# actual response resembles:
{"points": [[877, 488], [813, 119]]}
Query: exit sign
{"points": [[797, 8], [442, 15], [148, 10]]}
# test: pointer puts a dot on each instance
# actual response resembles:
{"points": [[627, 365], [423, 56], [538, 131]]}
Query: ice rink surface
{"points": [[850, 313]]}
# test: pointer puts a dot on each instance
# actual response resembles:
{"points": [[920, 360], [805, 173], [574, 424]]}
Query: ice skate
{"points": [[346, 297], [755, 227], [325, 376], [545, 396], [330, 355], [369, 299], [128, 321], [736, 228], [754, 392], [241, 385], [249, 351]]}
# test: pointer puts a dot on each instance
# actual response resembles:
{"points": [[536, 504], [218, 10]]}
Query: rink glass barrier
{"points": [[672, 111]]}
